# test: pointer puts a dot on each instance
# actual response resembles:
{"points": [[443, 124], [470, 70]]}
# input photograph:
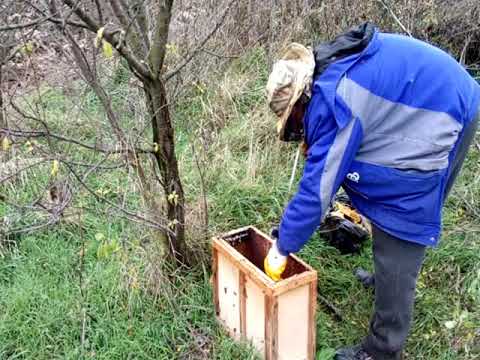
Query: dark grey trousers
{"points": [[397, 264]]}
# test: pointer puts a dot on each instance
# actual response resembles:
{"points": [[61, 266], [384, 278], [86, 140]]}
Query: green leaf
{"points": [[107, 249], [107, 49]]}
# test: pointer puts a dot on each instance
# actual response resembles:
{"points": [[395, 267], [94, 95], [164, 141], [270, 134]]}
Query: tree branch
{"points": [[55, 210], [24, 25], [127, 22], [203, 193], [112, 37], [91, 79], [17, 172], [156, 56], [99, 11], [130, 214], [199, 48], [53, 18], [39, 134], [119, 13], [397, 20], [140, 21]]}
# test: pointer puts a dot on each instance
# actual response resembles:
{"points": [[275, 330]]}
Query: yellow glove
{"points": [[275, 263]]}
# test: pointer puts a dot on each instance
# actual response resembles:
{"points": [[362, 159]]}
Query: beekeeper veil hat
{"points": [[291, 77]]}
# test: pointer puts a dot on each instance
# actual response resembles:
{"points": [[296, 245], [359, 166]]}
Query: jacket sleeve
{"points": [[327, 164]]}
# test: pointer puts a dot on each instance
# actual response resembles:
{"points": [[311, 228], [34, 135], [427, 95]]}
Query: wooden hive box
{"points": [[278, 318]]}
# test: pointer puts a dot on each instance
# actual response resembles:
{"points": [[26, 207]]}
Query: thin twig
{"points": [[17, 172], [464, 51], [130, 214], [202, 190], [139, 68], [209, 52], [56, 20], [33, 228], [332, 308], [37, 134], [81, 285], [397, 20], [294, 170], [201, 45], [55, 213], [90, 78], [25, 25], [89, 165], [82, 337]]}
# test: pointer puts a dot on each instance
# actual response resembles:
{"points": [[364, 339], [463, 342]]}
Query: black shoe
{"points": [[365, 277], [352, 353]]}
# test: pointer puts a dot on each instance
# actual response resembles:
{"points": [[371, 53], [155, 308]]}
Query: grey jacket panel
{"points": [[398, 135], [332, 165]]}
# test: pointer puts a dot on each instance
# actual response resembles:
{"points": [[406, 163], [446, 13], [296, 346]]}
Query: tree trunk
{"points": [[2, 112], [163, 136]]}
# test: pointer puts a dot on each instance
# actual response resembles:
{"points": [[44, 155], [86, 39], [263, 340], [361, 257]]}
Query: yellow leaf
{"points": [[107, 49], [171, 49], [199, 86], [29, 146], [173, 198], [155, 147], [99, 37], [55, 167], [5, 143], [134, 284], [172, 224], [27, 48], [103, 191]]}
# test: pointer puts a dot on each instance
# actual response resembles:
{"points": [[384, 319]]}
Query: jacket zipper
{"points": [[355, 191]]}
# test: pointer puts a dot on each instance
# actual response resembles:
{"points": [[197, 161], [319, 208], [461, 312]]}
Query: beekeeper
{"points": [[390, 119]]}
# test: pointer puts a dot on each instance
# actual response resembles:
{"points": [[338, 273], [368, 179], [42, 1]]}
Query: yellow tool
{"points": [[346, 229]]}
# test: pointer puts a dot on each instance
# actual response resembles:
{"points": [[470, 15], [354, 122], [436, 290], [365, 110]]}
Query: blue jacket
{"points": [[384, 124]]}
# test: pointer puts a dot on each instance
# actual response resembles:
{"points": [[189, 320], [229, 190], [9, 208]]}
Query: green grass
{"points": [[128, 313], [42, 309]]}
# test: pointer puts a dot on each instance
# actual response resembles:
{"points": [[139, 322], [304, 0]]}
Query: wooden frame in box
{"points": [[278, 318]]}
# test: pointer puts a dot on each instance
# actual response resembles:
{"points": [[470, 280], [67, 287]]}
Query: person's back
{"points": [[414, 73], [390, 119], [413, 101]]}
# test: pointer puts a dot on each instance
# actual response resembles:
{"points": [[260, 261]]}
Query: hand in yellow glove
{"points": [[275, 263]]}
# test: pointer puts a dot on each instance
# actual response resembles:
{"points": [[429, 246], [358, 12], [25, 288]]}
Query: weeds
{"points": [[133, 312]]}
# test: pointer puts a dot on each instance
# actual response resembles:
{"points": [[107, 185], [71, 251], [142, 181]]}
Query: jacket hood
{"points": [[353, 41]]}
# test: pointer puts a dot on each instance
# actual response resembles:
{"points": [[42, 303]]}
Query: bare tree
{"points": [[138, 31], [129, 35]]}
